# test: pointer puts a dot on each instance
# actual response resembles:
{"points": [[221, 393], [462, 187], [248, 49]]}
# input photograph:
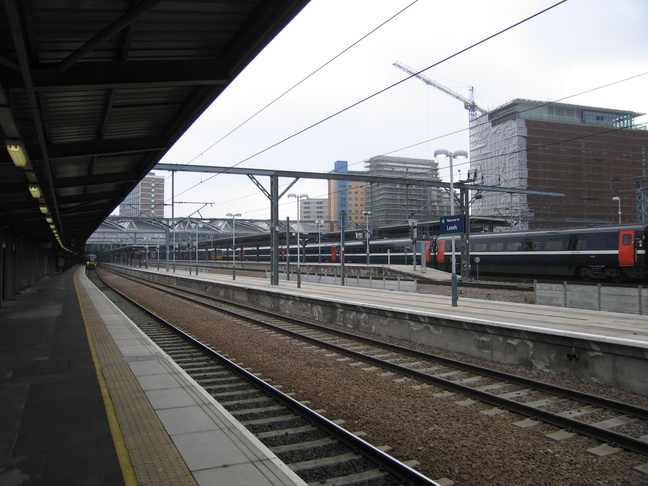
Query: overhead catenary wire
{"points": [[383, 90], [459, 164], [268, 105]]}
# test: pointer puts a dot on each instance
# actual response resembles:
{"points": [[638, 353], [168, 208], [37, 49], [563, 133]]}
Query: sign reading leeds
{"points": [[453, 225]]}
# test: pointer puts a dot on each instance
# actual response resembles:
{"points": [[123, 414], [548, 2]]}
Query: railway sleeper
{"points": [[366, 477], [196, 365], [301, 446], [293, 434], [334, 461], [225, 398], [544, 402], [615, 422], [235, 387], [216, 382], [277, 420], [249, 403], [579, 411], [344, 465], [247, 413], [205, 376]]}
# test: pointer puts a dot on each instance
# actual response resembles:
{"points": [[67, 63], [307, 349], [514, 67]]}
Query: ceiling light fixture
{"points": [[17, 153], [35, 190]]}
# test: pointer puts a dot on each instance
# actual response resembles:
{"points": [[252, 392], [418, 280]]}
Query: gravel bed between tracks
{"points": [[420, 423]]}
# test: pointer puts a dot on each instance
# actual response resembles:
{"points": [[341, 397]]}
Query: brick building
{"points": [[592, 155]]}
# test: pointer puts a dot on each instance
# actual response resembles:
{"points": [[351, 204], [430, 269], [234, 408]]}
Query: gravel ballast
{"points": [[447, 436]]}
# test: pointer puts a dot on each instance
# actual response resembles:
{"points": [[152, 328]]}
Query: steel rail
{"points": [[380, 458], [604, 435]]}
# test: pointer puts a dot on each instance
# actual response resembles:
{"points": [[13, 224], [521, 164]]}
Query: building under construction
{"points": [[387, 204], [597, 157], [394, 204]]}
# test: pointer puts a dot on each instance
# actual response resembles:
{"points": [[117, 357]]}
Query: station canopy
{"points": [[94, 93]]}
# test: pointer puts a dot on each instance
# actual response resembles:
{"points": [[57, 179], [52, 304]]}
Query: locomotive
{"points": [[91, 261]]}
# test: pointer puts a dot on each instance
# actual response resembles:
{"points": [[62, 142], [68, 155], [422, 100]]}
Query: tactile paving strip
{"points": [[154, 458]]}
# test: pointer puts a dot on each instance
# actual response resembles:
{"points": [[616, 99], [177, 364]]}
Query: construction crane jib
{"points": [[469, 104]]}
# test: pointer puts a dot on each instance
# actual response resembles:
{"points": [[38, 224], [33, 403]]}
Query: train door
{"points": [[334, 253], [627, 256], [427, 251], [441, 251]]}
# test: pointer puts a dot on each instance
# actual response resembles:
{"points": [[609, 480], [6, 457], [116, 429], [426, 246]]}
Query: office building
{"points": [[313, 209], [147, 199], [347, 197]]}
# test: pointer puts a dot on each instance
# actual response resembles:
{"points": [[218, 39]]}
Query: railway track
{"points": [[316, 449], [613, 423]]}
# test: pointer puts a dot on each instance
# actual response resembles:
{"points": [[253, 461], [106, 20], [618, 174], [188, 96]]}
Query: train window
{"points": [[576, 245], [513, 245], [480, 246], [553, 245], [531, 245], [497, 246], [627, 239]]}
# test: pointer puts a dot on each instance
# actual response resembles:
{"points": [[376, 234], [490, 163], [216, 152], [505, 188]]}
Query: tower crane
{"points": [[469, 104]]}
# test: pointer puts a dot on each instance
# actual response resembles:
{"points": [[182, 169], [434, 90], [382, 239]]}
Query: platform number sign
{"points": [[453, 225]]}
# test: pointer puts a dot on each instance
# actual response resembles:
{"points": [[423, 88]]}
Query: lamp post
{"points": [[233, 216], [319, 224], [299, 197], [196, 226], [366, 214], [457, 154], [618, 200]]}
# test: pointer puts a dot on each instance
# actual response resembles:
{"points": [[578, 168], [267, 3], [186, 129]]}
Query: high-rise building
{"points": [[394, 204], [313, 209], [347, 197], [147, 199], [595, 156]]}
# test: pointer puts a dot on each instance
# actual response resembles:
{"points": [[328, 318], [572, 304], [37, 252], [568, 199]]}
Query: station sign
{"points": [[453, 225]]}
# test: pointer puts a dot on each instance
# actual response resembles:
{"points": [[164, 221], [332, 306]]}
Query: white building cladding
{"points": [[498, 158]]}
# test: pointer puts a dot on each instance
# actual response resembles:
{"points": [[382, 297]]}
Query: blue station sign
{"points": [[453, 225]]}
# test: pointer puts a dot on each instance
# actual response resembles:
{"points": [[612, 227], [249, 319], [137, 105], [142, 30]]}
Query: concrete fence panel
{"points": [[627, 300]]}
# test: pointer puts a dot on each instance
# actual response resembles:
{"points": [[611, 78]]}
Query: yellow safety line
{"points": [[118, 439]]}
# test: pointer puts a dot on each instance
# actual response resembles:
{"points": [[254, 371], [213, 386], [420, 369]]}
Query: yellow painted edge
{"points": [[118, 439]]}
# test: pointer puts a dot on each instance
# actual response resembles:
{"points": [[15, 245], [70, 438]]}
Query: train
{"points": [[91, 261], [614, 253]]}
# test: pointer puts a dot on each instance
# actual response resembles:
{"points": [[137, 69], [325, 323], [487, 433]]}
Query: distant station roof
{"points": [[93, 94]]}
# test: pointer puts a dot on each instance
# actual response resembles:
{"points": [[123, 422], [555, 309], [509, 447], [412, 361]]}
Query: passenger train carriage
{"points": [[615, 252], [612, 252], [394, 252]]}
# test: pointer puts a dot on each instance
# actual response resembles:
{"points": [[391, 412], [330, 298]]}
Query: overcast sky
{"points": [[578, 46]]}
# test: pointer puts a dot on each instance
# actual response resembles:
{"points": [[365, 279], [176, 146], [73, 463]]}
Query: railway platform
{"points": [[87, 399], [605, 347]]}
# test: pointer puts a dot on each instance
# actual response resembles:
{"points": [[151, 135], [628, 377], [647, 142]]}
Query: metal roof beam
{"points": [[345, 177], [109, 75], [101, 148], [114, 28]]}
